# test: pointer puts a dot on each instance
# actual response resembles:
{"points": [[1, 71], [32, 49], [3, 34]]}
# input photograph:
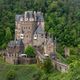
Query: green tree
{"points": [[8, 35], [30, 51], [75, 70], [47, 65]]}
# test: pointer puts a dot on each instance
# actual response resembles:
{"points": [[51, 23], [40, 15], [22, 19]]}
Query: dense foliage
{"points": [[63, 22], [62, 18], [30, 51], [48, 66], [11, 75]]}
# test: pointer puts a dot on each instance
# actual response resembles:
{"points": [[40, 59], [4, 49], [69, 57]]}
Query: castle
{"points": [[29, 30]]}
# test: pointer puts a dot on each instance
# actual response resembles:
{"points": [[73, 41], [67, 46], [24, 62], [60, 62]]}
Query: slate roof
{"points": [[19, 42], [30, 14], [15, 43], [11, 44], [39, 30], [40, 16], [18, 17], [53, 55]]}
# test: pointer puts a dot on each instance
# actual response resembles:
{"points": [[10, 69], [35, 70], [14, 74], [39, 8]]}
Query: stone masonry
{"points": [[29, 30]]}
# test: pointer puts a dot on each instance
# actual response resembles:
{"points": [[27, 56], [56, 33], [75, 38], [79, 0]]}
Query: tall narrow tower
{"points": [[25, 27], [27, 24]]}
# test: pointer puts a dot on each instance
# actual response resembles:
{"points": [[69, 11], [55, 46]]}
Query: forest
{"points": [[62, 21]]}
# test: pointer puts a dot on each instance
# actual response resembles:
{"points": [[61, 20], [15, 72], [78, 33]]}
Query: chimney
{"points": [[35, 15], [21, 18], [25, 16]]}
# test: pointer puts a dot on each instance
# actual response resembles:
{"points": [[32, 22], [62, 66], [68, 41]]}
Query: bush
{"points": [[11, 75], [47, 66], [44, 77], [30, 51], [37, 75]]}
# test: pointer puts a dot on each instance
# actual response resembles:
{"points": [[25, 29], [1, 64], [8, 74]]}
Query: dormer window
{"points": [[35, 36], [21, 36], [21, 18]]}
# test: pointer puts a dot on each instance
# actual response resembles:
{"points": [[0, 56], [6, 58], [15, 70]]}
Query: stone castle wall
{"points": [[25, 30]]}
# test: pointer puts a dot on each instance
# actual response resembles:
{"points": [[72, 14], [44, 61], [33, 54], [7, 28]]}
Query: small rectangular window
{"points": [[27, 36], [42, 35], [29, 27]]}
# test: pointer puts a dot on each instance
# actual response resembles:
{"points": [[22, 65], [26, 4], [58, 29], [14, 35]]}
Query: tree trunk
{"points": [[66, 51]]}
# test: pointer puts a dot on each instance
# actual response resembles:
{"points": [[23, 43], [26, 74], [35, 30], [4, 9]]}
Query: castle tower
{"points": [[25, 27], [48, 46], [39, 34], [27, 24]]}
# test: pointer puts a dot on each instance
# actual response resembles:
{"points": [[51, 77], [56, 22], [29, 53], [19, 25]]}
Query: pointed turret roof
{"points": [[39, 30], [19, 42]]}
